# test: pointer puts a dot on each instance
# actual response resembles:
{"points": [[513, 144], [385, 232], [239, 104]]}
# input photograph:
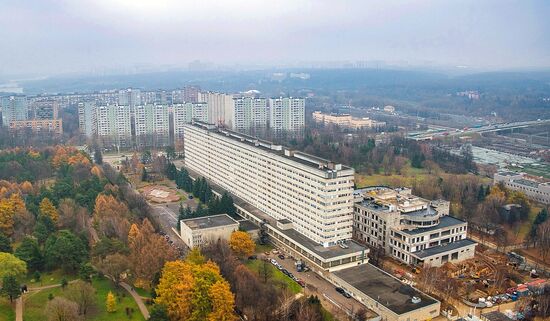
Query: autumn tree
{"points": [[48, 209], [195, 292], [148, 253], [61, 309], [222, 302], [10, 265], [110, 302], [241, 243], [111, 216], [10, 208]]}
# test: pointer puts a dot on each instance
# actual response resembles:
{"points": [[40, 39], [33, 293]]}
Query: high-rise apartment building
{"points": [[219, 106], [313, 196], [42, 110], [186, 113], [247, 114], [286, 114], [129, 97], [191, 94], [113, 125], [152, 125], [14, 108], [87, 119]]}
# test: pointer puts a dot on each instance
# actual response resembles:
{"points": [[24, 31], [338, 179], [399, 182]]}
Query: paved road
{"points": [[19, 309], [138, 299], [324, 290]]}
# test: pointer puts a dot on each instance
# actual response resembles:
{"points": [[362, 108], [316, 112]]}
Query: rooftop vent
{"points": [[415, 300]]}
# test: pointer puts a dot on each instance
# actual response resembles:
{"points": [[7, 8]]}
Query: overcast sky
{"points": [[59, 36]]}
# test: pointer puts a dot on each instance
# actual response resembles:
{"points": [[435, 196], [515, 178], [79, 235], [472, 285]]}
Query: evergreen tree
{"points": [[98, 157], [227, 206], [5, 245], [10, 287], [144, 175], [481, 194]]}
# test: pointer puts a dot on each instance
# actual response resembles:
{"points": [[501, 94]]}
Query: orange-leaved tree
{"points": [[241, 243]]}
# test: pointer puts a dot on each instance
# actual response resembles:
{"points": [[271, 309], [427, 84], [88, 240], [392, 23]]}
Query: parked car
{"points": [[290, 275], [267, 253], [339, 290], [253, 257], [302, 283], [281, 256], [285, 271], [191, 197], [346, 294], [273, 262]]}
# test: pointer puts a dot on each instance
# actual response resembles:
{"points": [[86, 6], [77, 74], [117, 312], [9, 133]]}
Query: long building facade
{"points": [[185, 114], [533, 189], [314, 194]]}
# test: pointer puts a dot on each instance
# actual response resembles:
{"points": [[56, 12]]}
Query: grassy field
{"points": [[36, 301], [406, 178], [277, 275], [535, 170], [7, 312], [263, 248], [47, 278]]}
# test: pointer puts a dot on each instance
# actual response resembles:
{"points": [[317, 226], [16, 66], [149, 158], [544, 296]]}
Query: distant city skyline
{"points": [[51, 37]]}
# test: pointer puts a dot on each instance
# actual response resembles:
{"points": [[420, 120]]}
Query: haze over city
{"points": [[49, 37]]}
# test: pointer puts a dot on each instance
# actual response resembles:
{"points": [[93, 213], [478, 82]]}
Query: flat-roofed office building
{"points": [[316, 195]]}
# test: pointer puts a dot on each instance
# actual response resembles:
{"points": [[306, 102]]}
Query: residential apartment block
{"points": [[533, 189], [219, 107], [87, 119], [49, 126], [186, 113], [409, 228], [151, 125], [129, 97], [247, 114], [286, 114], [113, 125], [346, 120], [14, 108]]}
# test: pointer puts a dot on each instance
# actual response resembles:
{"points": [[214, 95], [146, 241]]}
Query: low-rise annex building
{"points": [[535, 190], [196, 232], [409, 228]]}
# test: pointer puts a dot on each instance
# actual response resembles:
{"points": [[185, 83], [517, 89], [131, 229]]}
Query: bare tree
{"points": [[83, 294], [61, 309]]}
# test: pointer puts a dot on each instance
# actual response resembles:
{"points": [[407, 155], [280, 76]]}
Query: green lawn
{"points": [[143, 292], [47, 278], [35, 303], [7, 312], [263, 248], [277, 275]]}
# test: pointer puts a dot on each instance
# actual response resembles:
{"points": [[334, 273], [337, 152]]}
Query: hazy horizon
{"points": [[51, 37]]}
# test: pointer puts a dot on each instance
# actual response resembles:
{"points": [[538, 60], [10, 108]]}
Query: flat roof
{"points": [[270, 147], [444, 222], [508, 173], [526, 182], [496, 316], [443, 248], [247, 226], [383, 288], [209, 221]]}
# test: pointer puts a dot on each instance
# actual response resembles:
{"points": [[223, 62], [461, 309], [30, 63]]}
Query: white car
{"points": [[274, 262]]}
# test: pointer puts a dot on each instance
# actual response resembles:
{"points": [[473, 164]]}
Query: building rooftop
{"points": [[444, 222], [296, 156], [443, 248], [527, 182], [384, 288], [209, 221], [495, 316], [508, 173], [247, 226]]}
